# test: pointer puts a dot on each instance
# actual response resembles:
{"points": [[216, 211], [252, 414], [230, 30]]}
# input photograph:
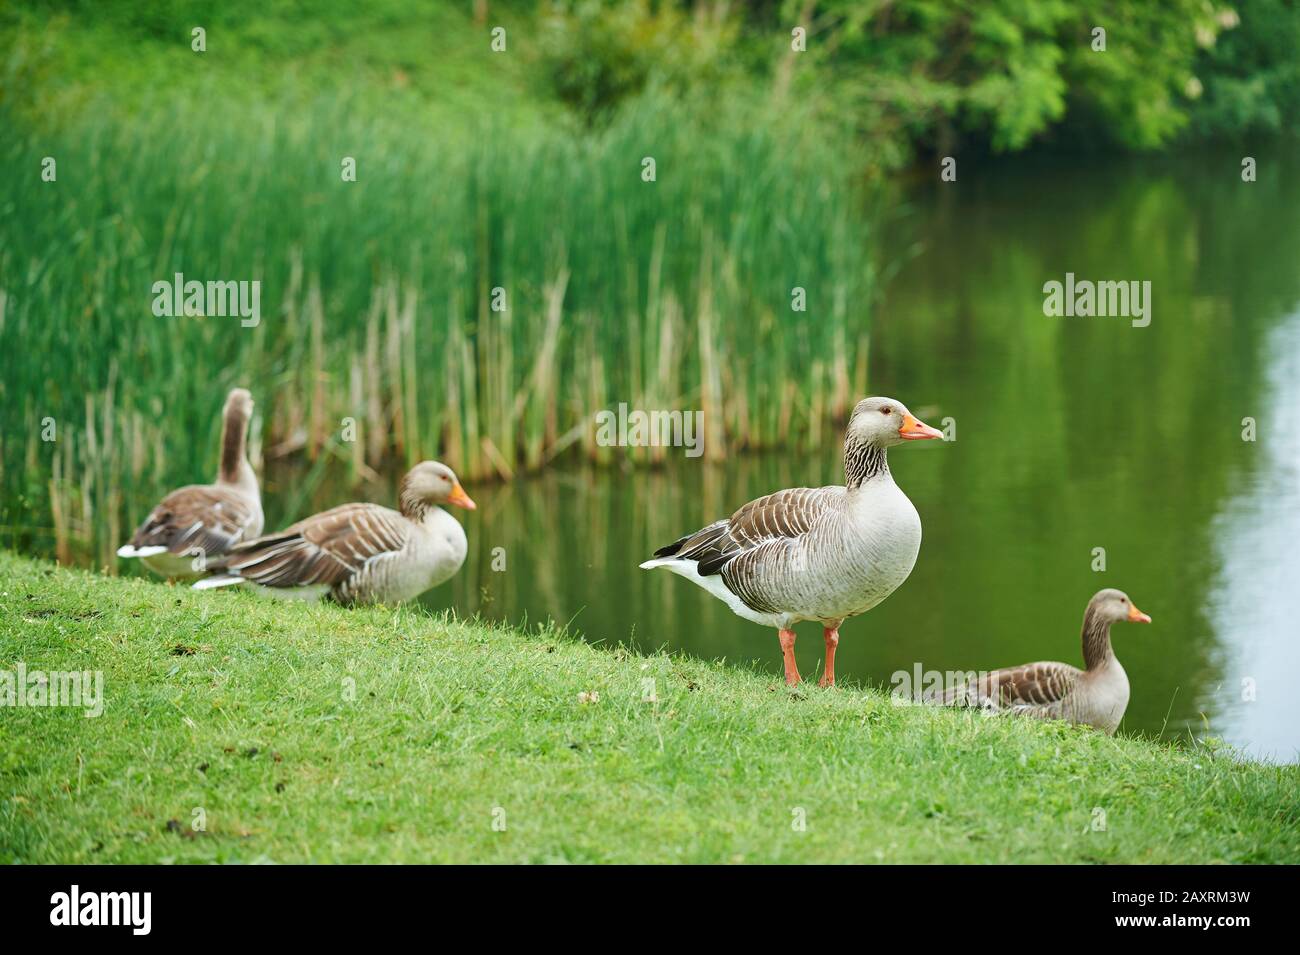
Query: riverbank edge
{"points": [[238, 730]]}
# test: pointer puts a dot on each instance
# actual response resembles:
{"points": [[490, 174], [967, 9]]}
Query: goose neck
{"points": [[235, 468], [415, 511], [1097, 650], [863, 462]]}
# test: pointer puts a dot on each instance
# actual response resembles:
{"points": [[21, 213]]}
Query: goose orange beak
{"points": [[1136, 615], [460, 498], [913, 430]]}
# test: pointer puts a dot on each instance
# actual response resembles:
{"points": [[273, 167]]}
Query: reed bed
{"points": [[382, 338]]}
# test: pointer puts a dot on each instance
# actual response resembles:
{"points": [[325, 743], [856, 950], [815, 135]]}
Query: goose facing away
{"points": [[361, 553], [823, 554], [1095, 696], [194, 524]]}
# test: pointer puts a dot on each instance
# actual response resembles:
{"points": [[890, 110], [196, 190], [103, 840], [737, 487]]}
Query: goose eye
{"points": [[886, 410]]}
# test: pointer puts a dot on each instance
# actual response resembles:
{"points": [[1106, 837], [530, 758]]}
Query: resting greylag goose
{"points": [[1094, 696], [361, 553], [194, 524], [823, 554]]}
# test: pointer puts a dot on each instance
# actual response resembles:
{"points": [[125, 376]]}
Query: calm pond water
{"points": [[1072, 434]]}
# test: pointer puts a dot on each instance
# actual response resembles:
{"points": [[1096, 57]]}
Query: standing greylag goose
{"points": [[821, 554], [1095, 696], [361, 553], [194, 524]]}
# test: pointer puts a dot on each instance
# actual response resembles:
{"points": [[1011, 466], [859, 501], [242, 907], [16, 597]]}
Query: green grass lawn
{"points": [[314, 733]]}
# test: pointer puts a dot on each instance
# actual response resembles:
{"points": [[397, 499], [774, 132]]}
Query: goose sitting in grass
{"points": [[360, 553], [194, 524], [823, 554], [1095, 696]]}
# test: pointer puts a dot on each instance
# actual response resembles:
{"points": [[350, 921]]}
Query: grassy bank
{"points": [[319, 734]]}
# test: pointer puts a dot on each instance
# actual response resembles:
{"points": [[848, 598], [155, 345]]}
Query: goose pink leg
{"points": [[787, 651], [832, 635]]}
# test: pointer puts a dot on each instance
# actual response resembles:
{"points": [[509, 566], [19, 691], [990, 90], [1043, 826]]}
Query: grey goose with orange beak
{"points": [[825, 553], [360, 553], [1096, 696]]}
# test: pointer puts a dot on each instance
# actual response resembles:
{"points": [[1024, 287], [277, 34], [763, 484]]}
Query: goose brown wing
{"points": [[1034, 684], [326, 548], [781, 516], [201, 516]]}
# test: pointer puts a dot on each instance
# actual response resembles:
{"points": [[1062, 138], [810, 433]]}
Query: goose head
{"points": [[239, 403], [431, 483], [885, 422], [1113, 606]]}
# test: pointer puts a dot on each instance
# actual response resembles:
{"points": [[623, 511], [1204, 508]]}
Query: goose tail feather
{"points": [[220, 580], [130, 550], [671, 550], [658, 562]]}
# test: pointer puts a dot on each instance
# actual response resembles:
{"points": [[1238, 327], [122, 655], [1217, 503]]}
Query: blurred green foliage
{"points": [[595, 55], [939, 75], [908, 76], [1252, 75]]}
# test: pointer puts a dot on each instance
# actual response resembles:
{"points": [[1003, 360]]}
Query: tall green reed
{"points": [[377, 317]]}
